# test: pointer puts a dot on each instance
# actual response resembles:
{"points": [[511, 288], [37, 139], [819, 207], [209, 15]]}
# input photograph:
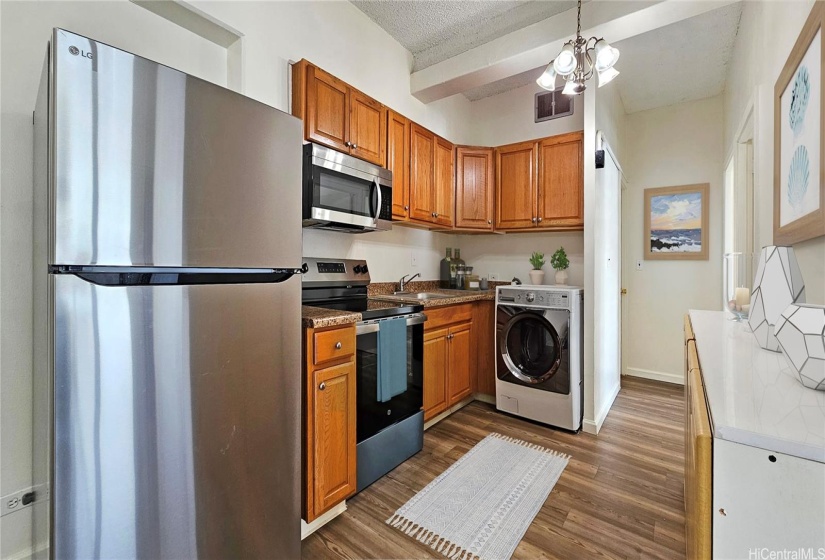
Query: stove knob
{"points": [[364, 269], [531, 297], [357, 269]]}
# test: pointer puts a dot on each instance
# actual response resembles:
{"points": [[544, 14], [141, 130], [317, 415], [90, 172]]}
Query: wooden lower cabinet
{"points": [[449, 357], [484, 327], [329, 459], [436, 358]]}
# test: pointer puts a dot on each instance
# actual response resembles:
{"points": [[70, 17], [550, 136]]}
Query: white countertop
{"points": [[753, 394]]}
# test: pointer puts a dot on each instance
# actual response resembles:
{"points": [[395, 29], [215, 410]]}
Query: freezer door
{"points": [[156, 168], [176, 420]]}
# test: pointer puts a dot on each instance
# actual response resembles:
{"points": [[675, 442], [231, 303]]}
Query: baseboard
{"points": [[308, 528], [676, 379], [485, 398], [455, 408], [40, 551], [594, 426]]}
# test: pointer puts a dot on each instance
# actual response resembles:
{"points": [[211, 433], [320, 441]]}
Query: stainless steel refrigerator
{"points": [[167, 312]]}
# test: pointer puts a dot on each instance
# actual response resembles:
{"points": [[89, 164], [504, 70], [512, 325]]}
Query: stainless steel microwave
{"points": [[343, 193]]}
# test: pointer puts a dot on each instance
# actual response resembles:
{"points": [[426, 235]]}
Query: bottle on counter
{"points": [[457, 260], [471, 280], [446, 276]]}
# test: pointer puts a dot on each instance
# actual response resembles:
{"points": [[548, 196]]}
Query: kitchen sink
{"points": [[422, 296]]}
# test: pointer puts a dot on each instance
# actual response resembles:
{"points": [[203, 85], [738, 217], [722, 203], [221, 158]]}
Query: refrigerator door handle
{"points": [[176, 276]]}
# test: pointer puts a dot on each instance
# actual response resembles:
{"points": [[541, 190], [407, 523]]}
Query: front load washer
{"points": [[540, 353]]}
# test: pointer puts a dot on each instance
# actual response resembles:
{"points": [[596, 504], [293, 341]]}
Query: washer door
{"points": [[531, 347]]}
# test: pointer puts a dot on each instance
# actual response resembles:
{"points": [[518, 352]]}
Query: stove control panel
{"points": [[340, 272]]}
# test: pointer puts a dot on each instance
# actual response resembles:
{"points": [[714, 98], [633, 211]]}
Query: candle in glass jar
{"points": [[742, 297]]}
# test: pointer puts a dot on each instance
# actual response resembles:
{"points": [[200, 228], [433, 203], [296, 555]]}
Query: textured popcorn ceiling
{"points": [[681, 62], [435, 30]]}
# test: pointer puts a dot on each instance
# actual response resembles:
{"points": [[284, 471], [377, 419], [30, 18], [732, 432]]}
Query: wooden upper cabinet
{"points": [[474, 189], [398, 161], [422, 161], [368, 129], [561, 181], [444, 182], [327, 109], [337, 115], [516, 185]]}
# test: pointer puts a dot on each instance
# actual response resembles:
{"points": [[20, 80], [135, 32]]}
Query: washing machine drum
{"points": [[531, 347]]}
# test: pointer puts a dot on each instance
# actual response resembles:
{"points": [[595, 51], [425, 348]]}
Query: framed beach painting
{"points": [[676, 223], [799, 125]]}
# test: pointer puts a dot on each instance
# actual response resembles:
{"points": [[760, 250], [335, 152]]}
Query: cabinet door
{"points": [[459, 382], [327, 110], [484, 335], [398, 161], [444, 182], [516, 185], [435, 372], [561, 181], [367, 128], [422, 159], [333, 417], [474, 188]]}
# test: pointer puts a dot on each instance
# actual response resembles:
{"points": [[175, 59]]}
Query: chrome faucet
{"points": [[404, 281]]}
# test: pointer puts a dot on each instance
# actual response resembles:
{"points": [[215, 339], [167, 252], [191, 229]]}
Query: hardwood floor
{"points": [[621, 495]]}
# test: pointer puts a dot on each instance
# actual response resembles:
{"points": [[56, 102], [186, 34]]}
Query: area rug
{"points": [[483, 504]]}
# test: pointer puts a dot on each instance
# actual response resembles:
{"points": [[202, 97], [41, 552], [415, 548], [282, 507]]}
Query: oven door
{"points": [[374, 416]]}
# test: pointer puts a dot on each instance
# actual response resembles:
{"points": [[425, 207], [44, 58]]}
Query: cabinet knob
{"points": [[436, 214], [539, 220], [338, 345], [355, 146], [489, 221], [534, 220], [322, 386], [347, 144], [406, 208]]}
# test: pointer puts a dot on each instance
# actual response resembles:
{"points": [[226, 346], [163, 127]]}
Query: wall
{"points": [[676, 145], [767, 33], [361, 53], [509, 117]]}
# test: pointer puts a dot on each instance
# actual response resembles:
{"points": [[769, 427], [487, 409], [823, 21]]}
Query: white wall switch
{"points": [[413, 258], [640, 264]]}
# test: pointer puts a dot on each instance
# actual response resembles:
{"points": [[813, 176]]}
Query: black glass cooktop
{"points": [[369, 309]]}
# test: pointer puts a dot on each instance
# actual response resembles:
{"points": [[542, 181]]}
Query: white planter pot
{"points": [[799, 331], [537, 277], [777, 284], [561, 277]]}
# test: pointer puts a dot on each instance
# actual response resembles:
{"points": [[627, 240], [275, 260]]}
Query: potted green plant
{"points": [[560, 263], [537, 274]]}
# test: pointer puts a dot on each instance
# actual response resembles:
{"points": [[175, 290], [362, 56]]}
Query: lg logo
{"points": [[75, 51]]}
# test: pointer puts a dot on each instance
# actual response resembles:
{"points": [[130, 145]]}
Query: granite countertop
{"points": [[315, 317], [753, 394]]}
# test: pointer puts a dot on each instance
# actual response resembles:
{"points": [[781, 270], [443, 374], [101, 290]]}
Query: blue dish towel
{"points": [[392, 358]]}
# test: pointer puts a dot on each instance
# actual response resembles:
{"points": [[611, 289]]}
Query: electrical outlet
{"points": [[413, 259], [492, 276], [19, 500], [640, 265]]}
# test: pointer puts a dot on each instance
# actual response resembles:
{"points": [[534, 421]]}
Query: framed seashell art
{"points": [[799, 126]]}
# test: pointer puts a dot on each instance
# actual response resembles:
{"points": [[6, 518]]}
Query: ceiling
{"points": [[680, 62], [435, 30]]}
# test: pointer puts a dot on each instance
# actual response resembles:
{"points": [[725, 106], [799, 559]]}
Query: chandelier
{"points": [[578, 60]]}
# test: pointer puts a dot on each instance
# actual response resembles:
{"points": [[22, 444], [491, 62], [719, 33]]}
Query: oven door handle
{"points": [[366, 327]]}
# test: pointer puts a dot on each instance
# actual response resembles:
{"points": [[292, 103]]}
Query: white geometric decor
{"points": [[777, 284], [801, 334]]}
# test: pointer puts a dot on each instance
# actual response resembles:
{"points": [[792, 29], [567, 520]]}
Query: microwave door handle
{"points": [[377, 188]]}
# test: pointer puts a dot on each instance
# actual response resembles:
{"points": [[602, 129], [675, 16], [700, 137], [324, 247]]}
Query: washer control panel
{"points": [[538, 297]]}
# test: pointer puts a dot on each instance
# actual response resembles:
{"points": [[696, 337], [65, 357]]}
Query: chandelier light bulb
{"points": [[565, 63], [572, 87], [607, 75], [548, 78], [606, 56]]}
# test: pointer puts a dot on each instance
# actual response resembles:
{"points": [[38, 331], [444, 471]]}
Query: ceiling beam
{"points": [[535, 45]]}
